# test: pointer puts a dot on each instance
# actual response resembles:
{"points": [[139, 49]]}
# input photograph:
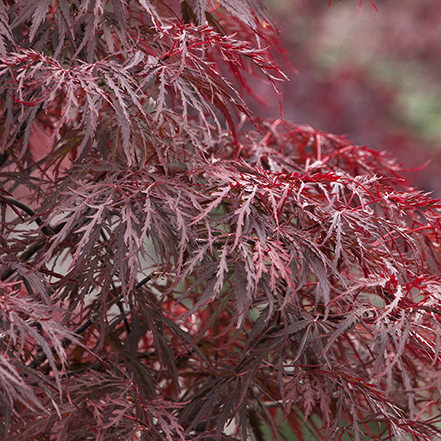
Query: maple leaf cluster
{"points": [[173, 268]]}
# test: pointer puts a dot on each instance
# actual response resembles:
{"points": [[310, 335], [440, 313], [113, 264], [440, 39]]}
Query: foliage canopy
{"points": [[174, 268]]}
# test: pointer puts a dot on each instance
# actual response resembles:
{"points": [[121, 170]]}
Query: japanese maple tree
{"points": [[175, 268]]}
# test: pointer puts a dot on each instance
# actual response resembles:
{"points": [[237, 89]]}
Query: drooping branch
{"points": [[41, 356]]}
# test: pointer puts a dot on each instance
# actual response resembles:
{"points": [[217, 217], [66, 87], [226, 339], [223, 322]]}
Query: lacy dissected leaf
{"points": [[173, 268]]}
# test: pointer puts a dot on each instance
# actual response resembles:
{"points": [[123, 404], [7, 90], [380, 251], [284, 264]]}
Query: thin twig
{"points": [[40, 356]]}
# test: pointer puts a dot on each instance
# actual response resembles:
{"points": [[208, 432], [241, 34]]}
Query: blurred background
{"points": [[373, 76]]}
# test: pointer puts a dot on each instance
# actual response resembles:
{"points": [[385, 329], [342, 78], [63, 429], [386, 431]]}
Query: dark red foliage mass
{"points": [[172, 271]]}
